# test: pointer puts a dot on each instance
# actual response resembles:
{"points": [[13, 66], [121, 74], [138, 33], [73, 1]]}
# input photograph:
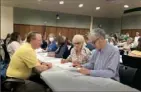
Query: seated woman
{"points": [[52, 47], [137, 52], [62, 51], [79, 53], [14, 43]]}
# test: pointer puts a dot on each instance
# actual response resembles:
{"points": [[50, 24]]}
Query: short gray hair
{"points": [[98, 32]]}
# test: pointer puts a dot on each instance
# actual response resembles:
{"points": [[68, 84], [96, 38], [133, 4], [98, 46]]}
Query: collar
{"points": [[103, 49], [28, 44]]}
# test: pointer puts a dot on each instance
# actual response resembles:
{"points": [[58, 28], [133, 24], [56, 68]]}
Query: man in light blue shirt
{"points": [[104, 61]]}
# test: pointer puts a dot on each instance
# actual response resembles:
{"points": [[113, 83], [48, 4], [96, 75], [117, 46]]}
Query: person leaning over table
{"points": [[104, 61], [79, 53], [126, 46], [24, 60], [137, 52]]}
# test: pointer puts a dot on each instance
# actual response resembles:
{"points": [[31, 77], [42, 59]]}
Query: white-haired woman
{"points": [[79, 53]]}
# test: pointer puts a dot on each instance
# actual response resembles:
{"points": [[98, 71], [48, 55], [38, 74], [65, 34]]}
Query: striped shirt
{"points": [[104, 62]]}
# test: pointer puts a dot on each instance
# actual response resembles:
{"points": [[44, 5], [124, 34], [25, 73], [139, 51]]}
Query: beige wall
{"points": [[6, 21]]}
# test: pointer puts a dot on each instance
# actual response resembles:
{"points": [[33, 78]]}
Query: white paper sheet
{"points": [[67, 66]]}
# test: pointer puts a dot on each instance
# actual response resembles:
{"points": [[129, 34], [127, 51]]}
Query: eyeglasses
{"points": [[77, 43]]}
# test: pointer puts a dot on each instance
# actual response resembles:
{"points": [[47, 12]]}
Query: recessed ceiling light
{"points": [[97, 8], [61, 2], [80, 5], [126, 6]]}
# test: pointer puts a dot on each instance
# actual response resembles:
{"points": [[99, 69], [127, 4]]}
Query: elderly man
{"points": [[104, 61], [24, 60]]}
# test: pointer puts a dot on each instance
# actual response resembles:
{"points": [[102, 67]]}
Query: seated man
{"points": [[104, 61], [24, 59]]}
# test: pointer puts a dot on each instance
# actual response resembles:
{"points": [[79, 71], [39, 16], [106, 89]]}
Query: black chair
{"points": [[121, 52], [11, 84], [70, 49], [134, 62], [127, 74], [7, 57]]}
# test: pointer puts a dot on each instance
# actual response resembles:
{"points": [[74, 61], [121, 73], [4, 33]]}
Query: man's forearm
{"points": [[102, 73], [88, 65], [41, 68]]}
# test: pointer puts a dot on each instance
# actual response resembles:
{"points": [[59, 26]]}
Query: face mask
{"points": [[51, 39]]}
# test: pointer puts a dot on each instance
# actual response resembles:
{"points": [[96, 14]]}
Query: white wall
{"points": [[110, 25], [6, 21], [131, 22], [37, 17]]}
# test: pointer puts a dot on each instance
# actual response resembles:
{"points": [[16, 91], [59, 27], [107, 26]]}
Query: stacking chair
{"points": [[11, 84], [134, 63], [127, 74]]}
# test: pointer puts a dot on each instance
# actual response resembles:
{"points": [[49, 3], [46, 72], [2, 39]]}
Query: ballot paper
{"points": [[67, 66], [43, 58], [39, 50]]}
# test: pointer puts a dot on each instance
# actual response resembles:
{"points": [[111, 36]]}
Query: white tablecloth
{"points": [[44, 58], [63, 78]]}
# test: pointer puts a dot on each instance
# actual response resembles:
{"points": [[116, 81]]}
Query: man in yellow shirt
{"points": [[24, 59]]}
